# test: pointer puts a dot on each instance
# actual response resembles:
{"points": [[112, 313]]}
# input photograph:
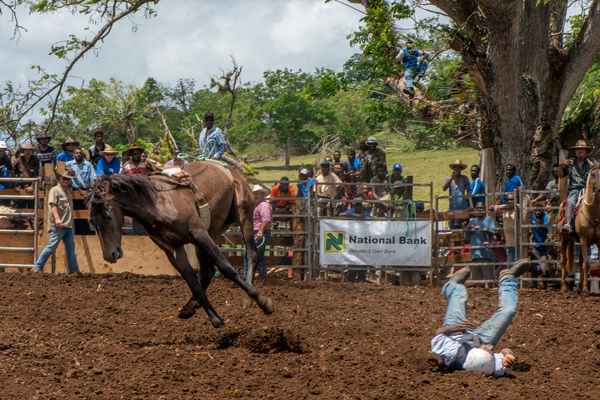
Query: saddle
{"points": [[179, 177]]}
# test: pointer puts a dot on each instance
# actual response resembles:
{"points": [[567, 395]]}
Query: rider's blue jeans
{"points": [[491, 330]]}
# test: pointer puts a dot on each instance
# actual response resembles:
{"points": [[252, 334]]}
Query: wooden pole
{"points": [[562, 182]]}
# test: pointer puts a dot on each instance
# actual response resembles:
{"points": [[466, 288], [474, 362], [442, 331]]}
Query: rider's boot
{"points": [[569, 208]]}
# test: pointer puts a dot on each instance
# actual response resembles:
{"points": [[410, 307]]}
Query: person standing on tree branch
{"points": [[211, 142], [544, 140], [410, 59]]}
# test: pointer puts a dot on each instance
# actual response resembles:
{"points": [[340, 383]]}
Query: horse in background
{"points": [[15, 222], [587, 227], [171, 214]]}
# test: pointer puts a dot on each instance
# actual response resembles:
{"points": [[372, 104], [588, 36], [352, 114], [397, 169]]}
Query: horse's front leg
{"points": [[207, 272], [566, 254]]}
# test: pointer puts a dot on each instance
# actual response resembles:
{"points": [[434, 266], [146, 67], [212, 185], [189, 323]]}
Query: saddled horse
{"points": [[587, 227], [170, 213]]}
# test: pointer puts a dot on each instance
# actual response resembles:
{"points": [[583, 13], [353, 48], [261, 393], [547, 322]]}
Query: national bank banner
{"points": [[355, 242]]}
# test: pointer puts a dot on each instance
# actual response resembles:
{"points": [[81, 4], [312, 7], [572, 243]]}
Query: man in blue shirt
{"points": [[476, 185], [462, 346], [353, 161], [539, 234], [68, 148], [108, 164], [211, 141], [480, 230], [410, 59], [84, 172], [512, 183], [357, 211]]}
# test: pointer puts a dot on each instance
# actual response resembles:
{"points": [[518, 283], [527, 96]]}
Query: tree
{"points": [[520, 55]]}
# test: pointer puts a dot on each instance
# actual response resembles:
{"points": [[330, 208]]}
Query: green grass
{"points": [[425, 166]]}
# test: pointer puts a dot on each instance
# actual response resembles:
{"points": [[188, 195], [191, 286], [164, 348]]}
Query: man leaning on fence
{"points": [[328, 187], [60, 223]]}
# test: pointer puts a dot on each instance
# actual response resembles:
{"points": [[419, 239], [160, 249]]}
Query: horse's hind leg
{"points": [[584, 266], [204, 240], [178, 257], [207, 272]]}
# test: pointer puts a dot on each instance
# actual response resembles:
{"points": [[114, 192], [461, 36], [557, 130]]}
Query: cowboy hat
{"points": [[43, 135], [458, 163], [133, 147], [108, 150], [69, 141], [67, 173], [258, 188], [581, 144], [26, 146]]}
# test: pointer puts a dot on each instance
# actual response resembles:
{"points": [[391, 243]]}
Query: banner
{"points": [[394, 243]]}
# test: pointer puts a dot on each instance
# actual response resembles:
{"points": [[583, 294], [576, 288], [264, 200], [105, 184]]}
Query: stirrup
{"points": [[566, 228]]}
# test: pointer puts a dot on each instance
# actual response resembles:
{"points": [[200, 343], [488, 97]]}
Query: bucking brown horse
{"points": [[170, 214], [587, 227]]}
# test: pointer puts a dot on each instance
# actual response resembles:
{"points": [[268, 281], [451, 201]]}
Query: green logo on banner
{"points": [[334, 241]]}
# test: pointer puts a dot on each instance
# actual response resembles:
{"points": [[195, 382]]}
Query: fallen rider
{"points": [[462, 346]]}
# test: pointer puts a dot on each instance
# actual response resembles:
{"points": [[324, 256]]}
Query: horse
{"points": [[15, 222], [170, 213], [587, 227]]}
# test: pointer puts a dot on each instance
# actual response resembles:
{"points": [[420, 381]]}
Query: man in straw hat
{"points": [[459, 185], [135, 165], [108, 164], [60, 223], [459, 344], [46, 153], [68, 150], [577, 169], [27, 166], [262, 219]]}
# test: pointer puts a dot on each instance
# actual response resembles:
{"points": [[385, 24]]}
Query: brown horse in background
{"points": [[587, 227], [168, 212]]}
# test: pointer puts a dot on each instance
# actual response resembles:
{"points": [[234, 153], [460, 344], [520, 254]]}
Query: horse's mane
{"points": [[131, 190]]}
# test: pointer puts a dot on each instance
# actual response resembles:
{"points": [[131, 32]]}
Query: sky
{"points": [[188, 39]]}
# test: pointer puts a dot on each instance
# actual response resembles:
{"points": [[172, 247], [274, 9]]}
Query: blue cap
{"points": [[325, 163], [397, 166]]}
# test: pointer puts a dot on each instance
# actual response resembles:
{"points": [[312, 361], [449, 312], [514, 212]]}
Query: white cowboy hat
{"points": [[258, 188], [479, 360]]}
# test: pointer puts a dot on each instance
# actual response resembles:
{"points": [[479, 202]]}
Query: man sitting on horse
{"points": [[577, 169], [211, 141]]}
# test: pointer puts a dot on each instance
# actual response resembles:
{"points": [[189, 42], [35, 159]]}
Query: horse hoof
{"points": [[217, 322], [186, 312], [246, 302], [267, 305]]}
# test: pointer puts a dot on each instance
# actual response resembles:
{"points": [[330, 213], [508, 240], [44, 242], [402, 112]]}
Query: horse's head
{"points": [[593, 181], [107, 218]]}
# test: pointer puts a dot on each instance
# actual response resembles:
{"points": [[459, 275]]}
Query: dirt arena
{"points": [[118, 337]]}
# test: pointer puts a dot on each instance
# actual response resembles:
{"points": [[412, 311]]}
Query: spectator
{"points": [[45, 153], [27, 166], [84, 172], [135, 165], [396, 177], [328, 187], [512, 183], [480, 230], [542, 149], [336, 157], [577, 169], [5, 158], [458, 185], [97, 147], [352, 175], [60, 223], [476, 185], [109, 164], [357, 211], [304, 188], [373, 158], [349, 196], [391, 202], [365, 194], [551, 187], [283, 189], [311, 173], [353, 161], [337, 170], [68, 148], [508, 213], [211, 141], [410, 59], [539, 234], [176, 162], [263, 218], [362, 146], [328, 159]]}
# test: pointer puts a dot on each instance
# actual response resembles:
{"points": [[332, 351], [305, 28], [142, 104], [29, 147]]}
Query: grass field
{"points": [[425, 166]]}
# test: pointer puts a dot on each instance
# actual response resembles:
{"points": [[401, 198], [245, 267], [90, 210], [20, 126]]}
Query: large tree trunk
{"points": [[288, 149], [513, 52]]}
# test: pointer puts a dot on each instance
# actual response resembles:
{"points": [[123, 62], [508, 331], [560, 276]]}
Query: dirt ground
{"points": [[118, 337]]}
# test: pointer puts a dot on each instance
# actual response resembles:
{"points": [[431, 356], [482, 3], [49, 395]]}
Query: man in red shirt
{"points": [[283, 190], [135, 165]]}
